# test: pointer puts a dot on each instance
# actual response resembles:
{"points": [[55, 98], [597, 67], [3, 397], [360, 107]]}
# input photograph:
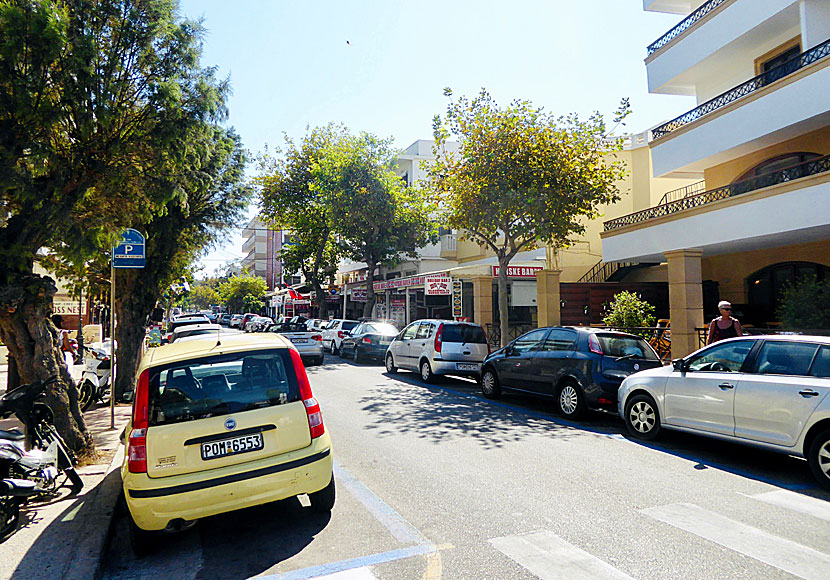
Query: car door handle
{"points": [[725, 386], [808, 393]]}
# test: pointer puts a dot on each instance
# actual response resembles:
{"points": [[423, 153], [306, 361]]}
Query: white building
{"points": [[760, 136]]}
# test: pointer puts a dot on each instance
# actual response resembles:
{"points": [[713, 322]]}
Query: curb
{"points": [[97, 523]]}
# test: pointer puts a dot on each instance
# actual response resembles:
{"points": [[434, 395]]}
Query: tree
{"points": [[292, 202], [521, 177], [805, 304], [203, 296], [378, 220], [627, 310], [236, 289], [93, 98]]}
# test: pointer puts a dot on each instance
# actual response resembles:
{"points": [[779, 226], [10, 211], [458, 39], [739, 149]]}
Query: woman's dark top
{"points": [[719, 333]]}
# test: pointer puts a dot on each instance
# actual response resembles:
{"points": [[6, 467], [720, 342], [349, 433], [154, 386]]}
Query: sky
{"points": [[381, 65]]}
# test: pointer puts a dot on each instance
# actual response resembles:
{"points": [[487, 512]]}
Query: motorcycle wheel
{"points": [[9, 516], [85, 395], [74, 479]]}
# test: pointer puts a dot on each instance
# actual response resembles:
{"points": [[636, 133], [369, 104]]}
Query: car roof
{"points": [[442, 321], [207, 346], [784, 337], [192, 327]]}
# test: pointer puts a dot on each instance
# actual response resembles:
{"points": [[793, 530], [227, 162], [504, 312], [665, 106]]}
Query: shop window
{"points": [[765, 286]]}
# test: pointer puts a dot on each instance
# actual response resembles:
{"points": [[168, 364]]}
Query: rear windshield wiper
{"points": [[625, 356]]}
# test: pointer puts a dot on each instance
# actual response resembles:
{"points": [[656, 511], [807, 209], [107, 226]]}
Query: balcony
{"points": [[684, 25], [773, 209], [449, 246]]}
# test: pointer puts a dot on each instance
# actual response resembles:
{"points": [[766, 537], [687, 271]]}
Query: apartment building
{"points": [[760, 137], [262, 247]]}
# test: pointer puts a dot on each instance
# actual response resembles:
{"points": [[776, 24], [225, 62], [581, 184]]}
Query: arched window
{"points": [[778, 163], [765, 285]]}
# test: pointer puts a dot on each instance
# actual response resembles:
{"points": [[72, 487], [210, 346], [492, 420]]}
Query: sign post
{"points": [[129, 253]]}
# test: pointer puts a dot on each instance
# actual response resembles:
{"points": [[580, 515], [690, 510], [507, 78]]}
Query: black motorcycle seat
{"points": [[12, 435]]}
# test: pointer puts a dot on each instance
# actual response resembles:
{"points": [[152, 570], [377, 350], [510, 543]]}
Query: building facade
{"points": [[760, 137], [262, 248]]}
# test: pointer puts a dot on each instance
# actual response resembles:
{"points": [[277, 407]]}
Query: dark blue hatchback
{"points": [[580, 368]]}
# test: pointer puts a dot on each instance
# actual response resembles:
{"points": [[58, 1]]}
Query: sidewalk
{"points": [[64, 537]]}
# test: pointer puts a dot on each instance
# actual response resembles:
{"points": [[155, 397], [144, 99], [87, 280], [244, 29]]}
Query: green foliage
{"points": [[240, 292], [627, 310], [806, 304], [203, 296]]}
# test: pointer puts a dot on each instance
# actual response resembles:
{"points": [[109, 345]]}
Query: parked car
{"points": [[438, 347], [316, 324], [368, 340], [335, 332], [225, 319], [766, 391], [245, 319], [258, 324], [581, 368], [308, 343], [185, 320], [195, 330], [202, 438], [235, 321]]}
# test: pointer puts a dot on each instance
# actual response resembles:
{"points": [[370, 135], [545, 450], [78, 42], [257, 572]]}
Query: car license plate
{"points": [[299, 340], [233, 446], [465, 367]]}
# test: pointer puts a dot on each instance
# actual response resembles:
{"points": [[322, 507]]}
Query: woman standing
{"points": [[724, 326]]}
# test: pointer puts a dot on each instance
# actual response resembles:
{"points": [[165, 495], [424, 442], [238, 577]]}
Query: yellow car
{"points": [[219, 424]]}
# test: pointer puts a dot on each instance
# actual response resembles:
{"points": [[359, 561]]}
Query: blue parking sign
{"points": [[129, 253]]}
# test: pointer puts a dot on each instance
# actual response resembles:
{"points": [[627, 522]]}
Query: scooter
{"points": [[95, 381], [13, 492]]}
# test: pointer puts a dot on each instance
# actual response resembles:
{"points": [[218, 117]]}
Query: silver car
{"points": [[767, 391], [438, 347]]}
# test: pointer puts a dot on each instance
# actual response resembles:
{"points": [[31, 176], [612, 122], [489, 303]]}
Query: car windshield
{"points": [[222, 384], [463, 333], [385, 329], [289, 327], [623, 345]]}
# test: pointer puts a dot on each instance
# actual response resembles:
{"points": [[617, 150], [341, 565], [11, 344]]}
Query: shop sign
{"points": [[397, 302], [457, 310], [68, 308], [518, 271], [438, 286], [405, 282], [359, 294]]}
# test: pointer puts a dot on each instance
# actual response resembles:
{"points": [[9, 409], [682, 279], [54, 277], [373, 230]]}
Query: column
{"points": [[685, 300], [483, 300], [406, 316], [548, 298]]}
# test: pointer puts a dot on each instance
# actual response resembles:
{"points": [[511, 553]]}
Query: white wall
{"points": [[815, 22]]}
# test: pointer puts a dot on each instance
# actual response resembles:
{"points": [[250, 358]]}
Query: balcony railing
{"points": [[682, 192], [812, 167], [783, 70], [687, 23]]}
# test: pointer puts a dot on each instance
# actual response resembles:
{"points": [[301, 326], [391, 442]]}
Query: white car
{"points": [[195, 330], [334, 333], [767, 391]]}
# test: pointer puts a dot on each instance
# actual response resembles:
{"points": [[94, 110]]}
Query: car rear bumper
{"points": [[155, 502], [373, 351], [442, 367]]}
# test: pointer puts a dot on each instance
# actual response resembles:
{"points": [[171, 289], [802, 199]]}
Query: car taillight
{"points": [[316, 337], [137, 441], [367, 340], [438, 337], [593, 344], [339, 334], [312, 407]]}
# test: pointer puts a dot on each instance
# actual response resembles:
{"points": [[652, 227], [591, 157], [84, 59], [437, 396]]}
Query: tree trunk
{"points": [[322, 303], [32, 339], [80, 323], [371, 298], [134, 300], [504, 262]]}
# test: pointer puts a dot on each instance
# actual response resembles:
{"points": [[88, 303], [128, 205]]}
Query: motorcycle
{"points": [[47, 455], [13, 492], [95, 380]]}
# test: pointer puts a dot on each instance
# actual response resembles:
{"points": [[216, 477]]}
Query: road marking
{"points": [[795, 501], [356, 574], [327, 570], [551, 558], [779, 552], [434, 568]]}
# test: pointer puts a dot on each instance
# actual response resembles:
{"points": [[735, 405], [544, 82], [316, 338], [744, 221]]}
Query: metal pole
{"points": [[112, 344]]}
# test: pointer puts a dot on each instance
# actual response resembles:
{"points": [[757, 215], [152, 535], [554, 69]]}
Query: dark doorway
{"points": [[765, 286]]}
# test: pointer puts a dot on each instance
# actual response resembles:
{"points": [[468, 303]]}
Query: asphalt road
{"points": [[435, 482]]}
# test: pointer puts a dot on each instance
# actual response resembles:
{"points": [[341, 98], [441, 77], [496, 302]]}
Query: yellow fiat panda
{"points": [[219, 424]]}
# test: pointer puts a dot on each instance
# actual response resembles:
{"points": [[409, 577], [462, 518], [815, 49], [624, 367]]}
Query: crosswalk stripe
{"points": [[797, 502], [779, 552], [551, 558]]}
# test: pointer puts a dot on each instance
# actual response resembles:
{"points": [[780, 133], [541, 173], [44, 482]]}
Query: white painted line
{"points": [[551, 558], [356, 574], [779, 552], [797, 502]]}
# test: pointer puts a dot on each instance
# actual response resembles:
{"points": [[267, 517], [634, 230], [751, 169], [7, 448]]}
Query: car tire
{"points": [[818, 456], [426, 372], [143, 542], [319, 361], [490, 386], [86, 394], [390, 364], [334, 350], [322, 501], [642, 418], [356, 356], [570, 402]]}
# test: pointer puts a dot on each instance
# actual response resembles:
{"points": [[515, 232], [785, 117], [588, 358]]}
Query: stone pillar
{"points": [[685, 300], [548, 298], [483, 300]]}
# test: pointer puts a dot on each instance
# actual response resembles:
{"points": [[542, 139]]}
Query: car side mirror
{"points": [[679, 365], [508, 350]]}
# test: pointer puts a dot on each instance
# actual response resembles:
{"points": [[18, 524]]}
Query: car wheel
{"points": [[334, 349], [319, 361], [819, 458], [390, 364], [85, 395], [323, 501], [570, 401], [642, 418], [490, 384], [143, 542], [356, 356], [426, 372]]}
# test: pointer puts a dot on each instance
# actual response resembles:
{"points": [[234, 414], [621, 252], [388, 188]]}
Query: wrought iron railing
{"points": [[601, 271], [513, 331], [787, 68], [812, 167], [684, 25], [681, 192]]}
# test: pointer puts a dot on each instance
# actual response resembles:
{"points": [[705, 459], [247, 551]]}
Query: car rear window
{"points": [[385, 329], [289, 327], [622, 345], [463, 333], [222, 384], [348, 325]]}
